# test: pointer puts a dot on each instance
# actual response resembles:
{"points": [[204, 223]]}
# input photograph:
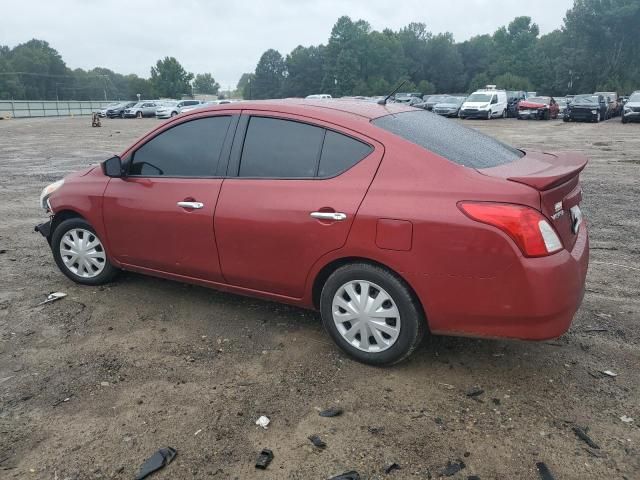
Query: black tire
{"points": [[139, 115], [173, 114], [108, 272], [624, 120], [122, 115], [565, 119], [412, 326], [489, 115]]}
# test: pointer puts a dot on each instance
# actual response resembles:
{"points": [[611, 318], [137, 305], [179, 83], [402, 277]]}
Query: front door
{"points": [[292, 197], [160, 216]]}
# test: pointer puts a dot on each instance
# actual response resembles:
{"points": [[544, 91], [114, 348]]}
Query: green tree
{"points": [[42, 69], [509, 81], [515, 46], [270, 73], [478, 54], [305, 68], [480, 80], [205, 83], [244, 85], [169, 79], [444, 67], [426, 87]]}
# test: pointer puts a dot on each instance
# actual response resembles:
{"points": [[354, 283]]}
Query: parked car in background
{"points": [[587, 108], [540, 108], [118, 110], [189, 108], [562, 106], [449, 106], [631, 109], [318, 96], [142, 109], [389, 220], [615, 107], [173, 108], [513, 98], [103, 111], [486, 103], [429, 101], [407, 99]]}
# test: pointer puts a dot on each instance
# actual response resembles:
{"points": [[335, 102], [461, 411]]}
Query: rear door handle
{"points": [[193, 205], [336, 216]]}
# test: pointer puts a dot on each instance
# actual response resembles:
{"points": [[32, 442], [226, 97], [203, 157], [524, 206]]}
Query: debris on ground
{"points": [[609, 373], [331, 412], [317, 441], [582, 435], [391, 467], [626, 419], [474, 392], [264, 459], [375, 430], [452, 468], [52, 297], [158, 460], [352, 475], [473, 477], [263, 422], [62, 400], [543, 470]]}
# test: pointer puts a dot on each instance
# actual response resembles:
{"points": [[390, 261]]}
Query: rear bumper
{"points": [[535, 299]]}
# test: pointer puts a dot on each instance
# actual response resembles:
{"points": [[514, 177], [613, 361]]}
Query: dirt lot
{"points": [[147, 363]]}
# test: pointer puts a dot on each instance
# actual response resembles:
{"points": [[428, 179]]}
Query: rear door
{"points": [[160, 216], [293, 190]]}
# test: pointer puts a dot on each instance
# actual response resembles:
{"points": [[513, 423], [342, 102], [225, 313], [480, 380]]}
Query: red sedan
{"points": [[391, 221], [540, 108]]}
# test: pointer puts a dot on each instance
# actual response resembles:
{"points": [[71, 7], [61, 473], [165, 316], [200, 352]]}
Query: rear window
{"points": [[448, 139]]}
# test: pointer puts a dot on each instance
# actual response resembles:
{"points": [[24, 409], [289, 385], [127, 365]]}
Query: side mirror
{"points": [[112, 167]]}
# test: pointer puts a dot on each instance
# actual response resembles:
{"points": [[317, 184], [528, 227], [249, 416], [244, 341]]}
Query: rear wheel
{"points": [[371, 314], [80, 254], [624, 120]]}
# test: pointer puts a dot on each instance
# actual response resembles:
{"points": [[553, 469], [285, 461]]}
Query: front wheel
{"points": [[371, 314], [80, 254], [139, 115], [598, 117], [504, 113]]}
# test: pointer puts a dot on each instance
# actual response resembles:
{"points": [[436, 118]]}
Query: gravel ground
{"points": [[93, 384]]}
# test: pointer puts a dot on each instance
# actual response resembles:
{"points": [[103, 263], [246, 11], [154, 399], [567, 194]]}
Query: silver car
{"points": [[146, 108], [173, 108]]}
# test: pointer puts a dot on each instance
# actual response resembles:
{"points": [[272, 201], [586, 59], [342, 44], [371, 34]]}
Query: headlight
{"points": [[47, 191], [594, 111], [627, 110]]}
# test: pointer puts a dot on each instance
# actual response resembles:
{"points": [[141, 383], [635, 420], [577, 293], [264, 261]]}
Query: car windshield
{"points": [[585, 99], [539, 99], [451, 99], [479, 97], [635, 97], [459, 144]]}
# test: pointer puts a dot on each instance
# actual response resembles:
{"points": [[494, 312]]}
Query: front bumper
{"points": [[582, 115], [474, 113], [632, 116], [446, 112], [44, 229], [527, 114]]}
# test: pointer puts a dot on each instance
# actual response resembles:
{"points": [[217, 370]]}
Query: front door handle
{"points": [[192, 205], [335, 216]]}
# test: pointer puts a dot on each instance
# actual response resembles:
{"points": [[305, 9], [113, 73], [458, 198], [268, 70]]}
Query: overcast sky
{"points": [[227, 38]]}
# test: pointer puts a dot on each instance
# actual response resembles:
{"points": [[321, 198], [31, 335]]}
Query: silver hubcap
{"points": [[82, 253], [366, 316]]}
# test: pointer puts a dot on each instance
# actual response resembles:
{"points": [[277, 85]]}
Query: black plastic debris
{"points": [[474, 392], [331, 412], [390, 468], [452, 468], [582, 435], [158, 460], [264, 459], [473, 477], [352, 475], [543, 470], [317, 441]]}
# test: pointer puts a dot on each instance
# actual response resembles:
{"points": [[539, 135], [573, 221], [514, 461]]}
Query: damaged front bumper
{"points": [[44, 229]]}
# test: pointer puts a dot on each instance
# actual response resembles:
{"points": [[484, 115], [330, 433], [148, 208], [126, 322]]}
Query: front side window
{"points": [[275, 148], [190, 149]]}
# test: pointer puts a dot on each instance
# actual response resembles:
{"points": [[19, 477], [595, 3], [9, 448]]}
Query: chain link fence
{"points": [[36, 108]]}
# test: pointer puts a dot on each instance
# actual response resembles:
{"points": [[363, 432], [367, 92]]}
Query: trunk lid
{"points": [[556, 176]]}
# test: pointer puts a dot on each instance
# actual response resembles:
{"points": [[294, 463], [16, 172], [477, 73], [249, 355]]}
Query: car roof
{"points": [[347, 109]]}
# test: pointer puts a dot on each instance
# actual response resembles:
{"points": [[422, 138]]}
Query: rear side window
{"points": [[448, 139], [190, 149], [275, 148], [339, 153]]}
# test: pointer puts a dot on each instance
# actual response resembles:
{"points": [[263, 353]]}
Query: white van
{"points": [[317, 96], [485, 103]]}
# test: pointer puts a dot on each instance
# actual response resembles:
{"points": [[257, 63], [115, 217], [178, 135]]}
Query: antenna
{"points": [[384, 101]]}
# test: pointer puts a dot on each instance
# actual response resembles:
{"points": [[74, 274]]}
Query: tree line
{"points": [[596, 48], [35, 71]]}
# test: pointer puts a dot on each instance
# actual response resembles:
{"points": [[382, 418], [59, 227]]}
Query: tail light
{"points": [[528, 228]]}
